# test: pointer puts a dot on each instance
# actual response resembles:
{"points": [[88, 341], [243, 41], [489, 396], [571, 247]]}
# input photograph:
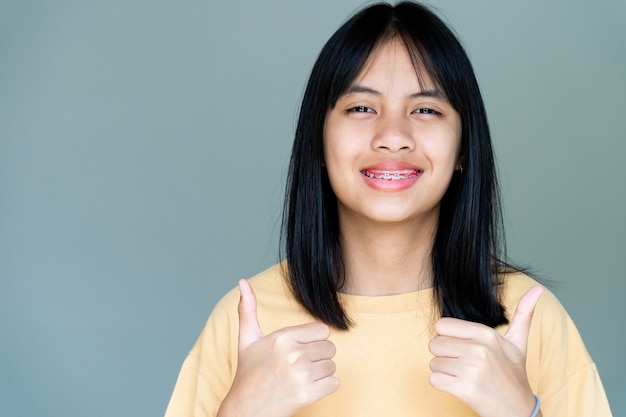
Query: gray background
{"points": [[143, 148]]}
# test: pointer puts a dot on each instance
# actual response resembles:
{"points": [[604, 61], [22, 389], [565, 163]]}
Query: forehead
{"points": [[392, 62]]}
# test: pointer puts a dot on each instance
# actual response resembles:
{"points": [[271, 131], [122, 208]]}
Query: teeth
{"points": [[391, 175]]}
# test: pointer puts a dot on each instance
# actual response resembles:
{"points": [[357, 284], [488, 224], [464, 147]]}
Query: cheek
{"points": [[329, 140], [448, 148], [327, 152], [331, 158], [340, 147], [444, 153]]}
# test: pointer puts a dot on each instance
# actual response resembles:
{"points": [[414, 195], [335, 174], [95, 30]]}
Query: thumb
{"points": [[520, 323], [249, 329]]}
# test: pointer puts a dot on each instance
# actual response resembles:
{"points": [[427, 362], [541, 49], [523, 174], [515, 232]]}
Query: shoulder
{"points": [[552, 329], [276, 305], [269, 287], [269, 283], [554, 343], [221, 330], [219, 339], [516, 284], [559, 367]]}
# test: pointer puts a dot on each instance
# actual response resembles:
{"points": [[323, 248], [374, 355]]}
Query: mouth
{"points": [[403, 174]]}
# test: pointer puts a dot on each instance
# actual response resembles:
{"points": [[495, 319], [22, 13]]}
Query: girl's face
{"points": [[391, 146]]}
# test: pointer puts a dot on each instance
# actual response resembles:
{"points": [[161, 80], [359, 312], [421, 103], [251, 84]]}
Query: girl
{"points": [[393, 298]]}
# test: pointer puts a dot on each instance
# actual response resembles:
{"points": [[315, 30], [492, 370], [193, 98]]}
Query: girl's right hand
{"points": [[280, 373]]}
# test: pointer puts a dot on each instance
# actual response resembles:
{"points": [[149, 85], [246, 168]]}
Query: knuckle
{"points": [[303, 396], [473, 372], [480, 353], [293, 357], [281, 340], [492, 337], [469, 391]]}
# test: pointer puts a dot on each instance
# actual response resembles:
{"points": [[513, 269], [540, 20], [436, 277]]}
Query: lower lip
{"points": [[390, 185]]}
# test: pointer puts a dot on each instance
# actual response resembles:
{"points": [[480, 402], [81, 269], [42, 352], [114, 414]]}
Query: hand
{"points": [[282, 372], [483, 369]]}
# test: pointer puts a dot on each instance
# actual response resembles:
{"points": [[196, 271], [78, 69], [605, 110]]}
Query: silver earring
{"points": [[460, 169]]}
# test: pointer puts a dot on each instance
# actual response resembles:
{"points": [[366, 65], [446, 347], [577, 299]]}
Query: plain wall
{"points": [[143, 150]]}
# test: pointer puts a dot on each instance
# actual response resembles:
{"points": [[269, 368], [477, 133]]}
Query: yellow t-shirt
{"points": [[383, 360]]}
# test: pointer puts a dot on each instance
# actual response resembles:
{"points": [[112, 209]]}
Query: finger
{"points": [[461, 329], [249, 329], [318, 389], [443, 382], [446, 346], [448, 366], [308, 332], [322, 369], [324, 386], [320, 350], [520, 323]]}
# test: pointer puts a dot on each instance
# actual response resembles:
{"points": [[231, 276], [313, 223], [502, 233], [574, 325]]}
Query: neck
{"points": [[387, 259]]}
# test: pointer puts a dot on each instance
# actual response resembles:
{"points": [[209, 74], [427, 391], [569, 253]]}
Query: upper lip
{"points": [[392, 166]]}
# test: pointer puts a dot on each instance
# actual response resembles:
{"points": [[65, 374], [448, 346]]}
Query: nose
{"points": [[393, 135]]}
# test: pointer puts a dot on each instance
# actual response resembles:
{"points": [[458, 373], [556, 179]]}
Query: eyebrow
{"points": [[357, 88]]}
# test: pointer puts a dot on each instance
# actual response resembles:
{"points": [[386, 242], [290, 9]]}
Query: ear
{"points": [[460, 162]]}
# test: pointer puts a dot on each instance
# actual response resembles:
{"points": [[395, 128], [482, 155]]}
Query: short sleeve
{"points": [[560, 370], [209, 369]]}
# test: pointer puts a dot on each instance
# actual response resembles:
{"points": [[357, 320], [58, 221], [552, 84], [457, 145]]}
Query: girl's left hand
{"points": [[483, 369]]}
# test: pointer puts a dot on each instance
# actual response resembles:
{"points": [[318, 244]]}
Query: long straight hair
{"points": [[467, 251]]}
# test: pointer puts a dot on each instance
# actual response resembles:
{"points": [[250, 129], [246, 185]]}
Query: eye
{"points": [[360, 109], [426, 110]]}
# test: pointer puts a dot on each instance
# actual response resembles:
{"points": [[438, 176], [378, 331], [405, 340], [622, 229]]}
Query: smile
{"points": [[404, 174]]}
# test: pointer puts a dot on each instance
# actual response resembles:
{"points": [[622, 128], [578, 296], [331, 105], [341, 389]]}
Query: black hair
{"points": [[467, 253]]}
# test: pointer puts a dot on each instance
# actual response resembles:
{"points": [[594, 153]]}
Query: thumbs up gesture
{"points": [[483, 369], [279, 373]]}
